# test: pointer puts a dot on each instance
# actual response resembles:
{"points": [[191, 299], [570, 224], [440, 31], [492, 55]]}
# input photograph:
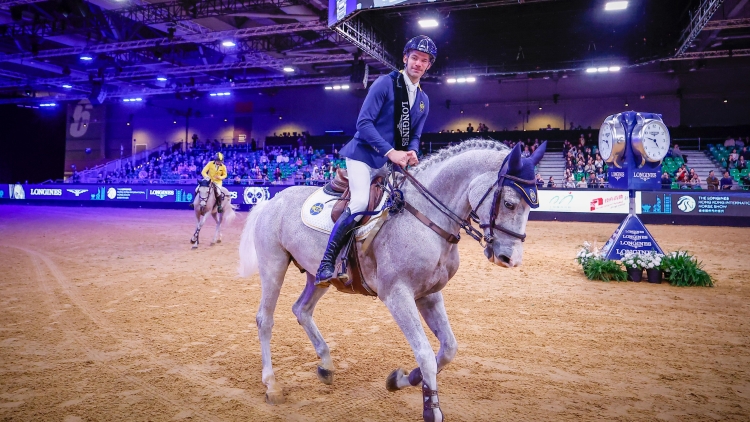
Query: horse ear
{"points": [[514, 159], [536, 157]]}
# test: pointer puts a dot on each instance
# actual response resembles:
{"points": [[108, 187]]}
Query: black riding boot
{"points": [[220, 199], [339, 237]]}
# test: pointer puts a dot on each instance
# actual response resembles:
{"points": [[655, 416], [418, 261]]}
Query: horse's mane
{"points": [[467, 145]]}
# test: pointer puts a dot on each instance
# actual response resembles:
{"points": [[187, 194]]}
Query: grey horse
{"points": [[408, 263], [205, 204]]}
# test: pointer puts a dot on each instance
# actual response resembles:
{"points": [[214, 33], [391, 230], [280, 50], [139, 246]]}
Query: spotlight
{"points": [[225, 120], [616, 5], [627, 105], [288, 69], [175, 121], [344, 86], [428, 23], [329, 87], [461, 80], [161, 78], [337, 87], [602, 69], [451, 80], [86, 57], [614, 68], [471, 79], [725, 100], [591, 70], [540, 107], [66, 86], [228, 43]]}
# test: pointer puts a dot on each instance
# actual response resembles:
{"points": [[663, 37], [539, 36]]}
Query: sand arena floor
{"points": [[107, 315]]}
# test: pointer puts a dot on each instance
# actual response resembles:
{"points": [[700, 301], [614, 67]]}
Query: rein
{"points": [[465, 223]]}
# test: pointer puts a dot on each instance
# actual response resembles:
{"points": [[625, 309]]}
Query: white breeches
{"points": [[360, 175]]}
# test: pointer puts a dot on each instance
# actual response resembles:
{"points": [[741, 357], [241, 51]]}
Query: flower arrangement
{"points": [[651, 260], [596, 267], [632, 260], [683, 269]]}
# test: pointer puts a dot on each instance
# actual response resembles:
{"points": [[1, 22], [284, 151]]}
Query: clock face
{"points": [[606, 140], [655, 140]]}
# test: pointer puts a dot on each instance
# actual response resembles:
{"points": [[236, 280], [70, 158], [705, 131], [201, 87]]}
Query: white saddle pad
{"points": [[316, 214]]}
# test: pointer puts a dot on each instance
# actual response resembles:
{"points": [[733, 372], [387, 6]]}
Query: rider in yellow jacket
{"points": [[216, 171]]}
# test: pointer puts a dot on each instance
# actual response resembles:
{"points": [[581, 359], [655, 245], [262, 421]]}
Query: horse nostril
{"points": [[504, 259]]}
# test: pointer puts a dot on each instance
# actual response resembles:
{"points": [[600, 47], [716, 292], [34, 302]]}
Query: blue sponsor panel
{"points": [[643, 178], [718, 203], [630, 236], [4, 191]]}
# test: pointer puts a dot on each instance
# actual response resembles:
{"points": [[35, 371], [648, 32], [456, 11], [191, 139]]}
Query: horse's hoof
{"points": [[325, 376], [192, 241], [391, 383], [275, 397], [218, 241], [195, 246]]}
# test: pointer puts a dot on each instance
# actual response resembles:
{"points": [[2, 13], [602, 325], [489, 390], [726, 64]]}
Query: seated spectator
{"points": [[601, 178], [526, 153], [666, 181], [598, 163], [745, 182], [582, 184], [568, 182], [681, 176], [592, 181], [694, 181], [551, 182], [729, 142], [469, 129], [676, 152], [590, 169], [732, 159], [712, 182], [539, 181], [745, 153], [726, 181], [741, 163]]}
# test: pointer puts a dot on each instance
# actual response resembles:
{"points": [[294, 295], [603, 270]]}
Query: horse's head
{"points": [[502, 202], [204, 191]]}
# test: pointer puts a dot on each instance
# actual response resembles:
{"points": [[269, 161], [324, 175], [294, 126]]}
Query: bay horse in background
{"points": [[204, 203], [408, 263]]}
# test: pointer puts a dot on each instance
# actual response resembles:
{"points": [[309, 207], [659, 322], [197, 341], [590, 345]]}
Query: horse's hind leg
{"points": [[432, 309], [217, 233], [303, 310], [271, 278]]}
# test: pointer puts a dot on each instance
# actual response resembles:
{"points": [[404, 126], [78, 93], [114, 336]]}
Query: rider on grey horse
{"points": [[388, 128], [216, 172]]}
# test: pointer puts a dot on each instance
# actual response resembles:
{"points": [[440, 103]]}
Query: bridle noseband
{"points": [[465, 223]]}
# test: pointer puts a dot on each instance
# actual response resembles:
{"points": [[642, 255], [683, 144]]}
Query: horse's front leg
{"points": [[195, 240], [217, 233], [404, 310], [432, 309]]}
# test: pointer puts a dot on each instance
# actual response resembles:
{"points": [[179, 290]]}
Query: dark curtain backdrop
{"points": [[32, 143]]}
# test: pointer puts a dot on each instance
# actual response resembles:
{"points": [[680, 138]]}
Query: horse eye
{"points": [[510, 206]]}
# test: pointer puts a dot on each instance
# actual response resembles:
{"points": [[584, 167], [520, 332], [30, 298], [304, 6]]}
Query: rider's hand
{"points": [[413, 159], [399, 157]]}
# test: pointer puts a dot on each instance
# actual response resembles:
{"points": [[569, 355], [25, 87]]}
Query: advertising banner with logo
{"points": [[584, 201], [241, 195], [696, 203], [5, 191]]}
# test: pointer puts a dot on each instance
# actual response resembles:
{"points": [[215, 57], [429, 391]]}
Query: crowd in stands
{"points": [[584, 167], [274, 165]]}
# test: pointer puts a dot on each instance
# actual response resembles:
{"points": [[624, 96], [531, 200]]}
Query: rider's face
{"points": [[417, 64]]}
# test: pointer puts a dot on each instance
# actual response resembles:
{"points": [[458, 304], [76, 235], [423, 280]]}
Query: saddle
{"points": [[340, 186], [354, 281]]}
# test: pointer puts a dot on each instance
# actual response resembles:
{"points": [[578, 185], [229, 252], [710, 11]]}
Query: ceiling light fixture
{"points": [[602, 69], [86, 57], [337, 87], [591, 70], [329, 88], [461, 80], [614, 68], [344, 86], [471, 79], [228, 43], [161, 78], [428, 23], [451, 80], [288, 69], [616, 5], [66, 86]]}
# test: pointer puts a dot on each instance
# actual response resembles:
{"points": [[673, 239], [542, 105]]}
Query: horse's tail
{"points": [[229, 214], [248, 256]]}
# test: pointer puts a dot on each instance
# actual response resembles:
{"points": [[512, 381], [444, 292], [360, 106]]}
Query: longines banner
{"points": [[248, 195], [731, 203], [584, 201]]}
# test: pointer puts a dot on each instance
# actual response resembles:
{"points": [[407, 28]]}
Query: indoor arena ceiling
{"points": [[69, 49]]}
